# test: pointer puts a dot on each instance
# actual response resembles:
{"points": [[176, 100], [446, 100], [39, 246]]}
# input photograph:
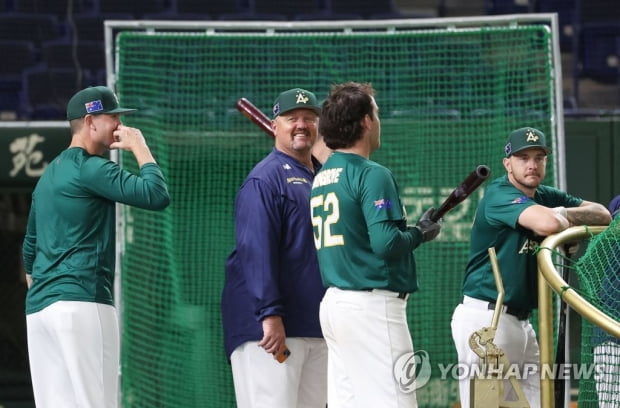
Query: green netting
{"points": [[447, 98], [598, 272]]}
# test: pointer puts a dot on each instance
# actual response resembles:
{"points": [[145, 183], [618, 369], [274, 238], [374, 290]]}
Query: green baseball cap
{"points": [[525, 138], [295, 98], [94, 100]]}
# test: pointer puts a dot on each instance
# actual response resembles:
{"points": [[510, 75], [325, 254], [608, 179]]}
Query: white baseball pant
{"points": [[515, 337], [366, 333], [74, 354], [299, 382]]}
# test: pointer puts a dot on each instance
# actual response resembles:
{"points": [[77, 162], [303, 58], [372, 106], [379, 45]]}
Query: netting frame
{"points": [[113, 27]]}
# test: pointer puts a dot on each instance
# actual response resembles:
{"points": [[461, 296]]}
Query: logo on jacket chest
{"points": [[297, 180], [529, 247]]}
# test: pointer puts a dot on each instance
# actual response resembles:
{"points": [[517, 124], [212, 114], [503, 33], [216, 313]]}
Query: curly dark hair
{"points": [[340, 121]]}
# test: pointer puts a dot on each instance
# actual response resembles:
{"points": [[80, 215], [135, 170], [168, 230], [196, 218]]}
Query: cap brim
{"points": [[119, 111], [312, 108], [545, 148]]}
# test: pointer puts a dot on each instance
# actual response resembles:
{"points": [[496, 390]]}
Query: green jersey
{"points": [[360, 227], [495, 225], [71, 237]]}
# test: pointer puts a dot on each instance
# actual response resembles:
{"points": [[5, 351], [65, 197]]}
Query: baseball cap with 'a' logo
{"points": [[295, 98], [525, 138]]}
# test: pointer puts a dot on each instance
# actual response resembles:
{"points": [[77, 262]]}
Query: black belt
{"points": [[401, 295], [518, 313]]}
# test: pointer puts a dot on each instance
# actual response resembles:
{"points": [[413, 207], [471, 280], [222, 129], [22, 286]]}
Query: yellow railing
{"points": [[549, 277]]}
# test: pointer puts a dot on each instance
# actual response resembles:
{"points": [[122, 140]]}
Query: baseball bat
{"points": [[460, 193], [250, 111]]}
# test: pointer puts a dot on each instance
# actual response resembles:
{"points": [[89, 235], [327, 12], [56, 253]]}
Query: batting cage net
{"points": [[449, 92], [598, 272]]}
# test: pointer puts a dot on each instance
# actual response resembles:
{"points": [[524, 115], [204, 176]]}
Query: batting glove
{"points": [[429, 228]]}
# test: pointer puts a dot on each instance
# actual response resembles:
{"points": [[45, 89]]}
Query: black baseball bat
{"points": [[463, 190]]}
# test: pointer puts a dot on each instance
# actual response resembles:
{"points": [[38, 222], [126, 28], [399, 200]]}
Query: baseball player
{"points": [[365, 252], [272, 288], [516, 213], [69, 257]]}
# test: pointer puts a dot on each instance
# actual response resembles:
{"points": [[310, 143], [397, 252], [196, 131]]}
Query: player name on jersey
{"points": [[326, 177]]}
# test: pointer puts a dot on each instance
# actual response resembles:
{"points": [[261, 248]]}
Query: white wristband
{"points": [[561, 210]]}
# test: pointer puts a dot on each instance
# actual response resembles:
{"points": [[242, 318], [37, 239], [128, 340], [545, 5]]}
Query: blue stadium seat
{"points": [[598, 56], [216, 9], [136, 8], [599, 11], [90, 27], [18, 55], [286, 9], [29, 27], [364, 9], [46, 92], [567, 19], [84, 55], [58, 8], [493, 7]]}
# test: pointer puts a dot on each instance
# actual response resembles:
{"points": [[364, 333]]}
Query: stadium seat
{"points": [[84, 55], [599, 11], [29, 27], [136, 8], [286, 9], [22, 55], [366, 9], [598, 55], [217, 9], [567, 18], [46, 92], [58, 8], [90, 27], [493, 7]]}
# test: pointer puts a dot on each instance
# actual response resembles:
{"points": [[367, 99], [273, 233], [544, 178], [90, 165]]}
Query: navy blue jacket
{"points": [[273, 269]]}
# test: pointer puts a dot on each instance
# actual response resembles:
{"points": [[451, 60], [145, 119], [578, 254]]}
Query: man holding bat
{"points": [[365, 251], [516, 213], [272, 289]]}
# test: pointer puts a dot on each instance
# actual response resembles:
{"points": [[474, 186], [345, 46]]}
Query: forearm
{"points": [[388, 241], [588, 213], [143, 155]]}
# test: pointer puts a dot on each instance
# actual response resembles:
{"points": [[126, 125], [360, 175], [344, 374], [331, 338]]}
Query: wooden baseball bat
{"points": [[460, 193], [250, 111]]}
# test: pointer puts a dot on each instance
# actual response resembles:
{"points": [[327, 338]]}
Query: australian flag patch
{"points": [[94, 106], [382, 203], [520, 200]]}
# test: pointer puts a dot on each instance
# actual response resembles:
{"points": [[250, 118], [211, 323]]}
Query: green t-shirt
{"points": [[350, 196], [69, 248], [495, 225]]}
